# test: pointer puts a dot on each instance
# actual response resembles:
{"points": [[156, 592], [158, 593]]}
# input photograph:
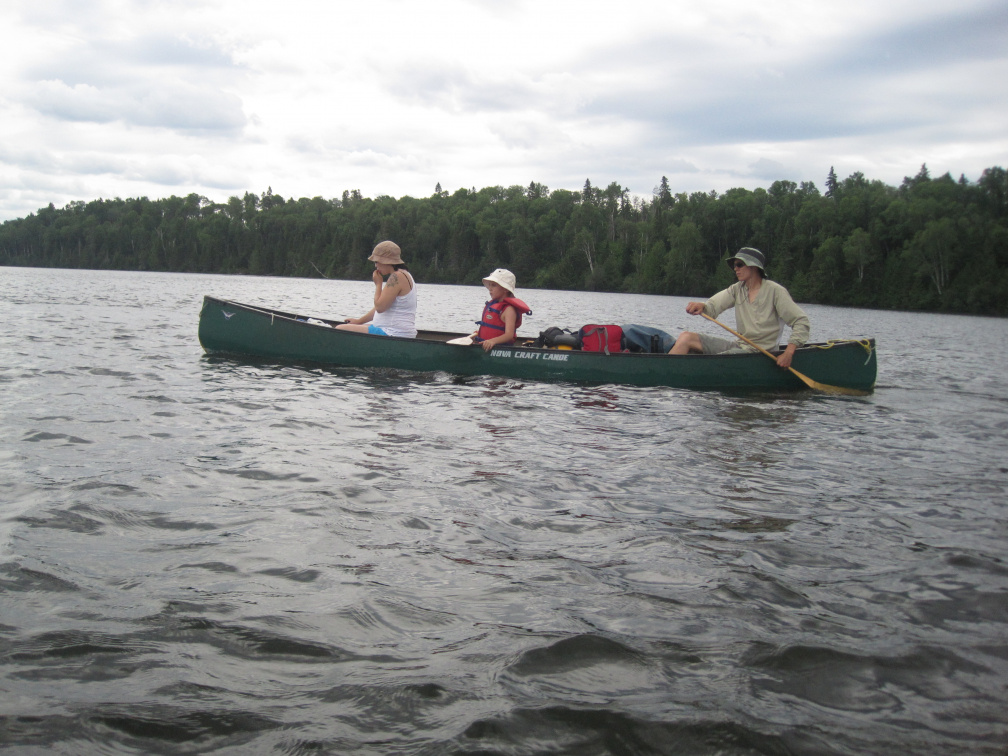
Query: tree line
{"points": [[935, 244]]}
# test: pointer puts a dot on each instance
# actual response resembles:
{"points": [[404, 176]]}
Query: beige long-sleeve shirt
{"points": [[763, 320]]}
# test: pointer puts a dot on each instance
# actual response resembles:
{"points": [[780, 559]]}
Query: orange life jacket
{"points": [[491, 325]]}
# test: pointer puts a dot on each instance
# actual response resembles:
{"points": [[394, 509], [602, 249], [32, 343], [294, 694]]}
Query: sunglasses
{"points": [[738, 264]]}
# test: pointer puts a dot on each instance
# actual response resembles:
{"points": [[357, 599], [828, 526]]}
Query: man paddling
{"points": [[762, 308]]}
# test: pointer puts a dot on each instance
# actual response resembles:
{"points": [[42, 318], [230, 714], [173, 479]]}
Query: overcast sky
{"points": [[112, 98]]}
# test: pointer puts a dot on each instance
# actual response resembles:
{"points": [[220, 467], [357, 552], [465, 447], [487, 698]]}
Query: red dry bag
{"points": [[601, 338]]}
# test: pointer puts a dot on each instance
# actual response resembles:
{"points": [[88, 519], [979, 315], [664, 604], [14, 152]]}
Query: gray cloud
{"points": [[856, 87], [151, 80], [98, 60], [453, 88], [767, 170], [166, 104], [973, 34]]}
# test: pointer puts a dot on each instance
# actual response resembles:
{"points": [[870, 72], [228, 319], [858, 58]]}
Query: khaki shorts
{"points": [[719, 345]]}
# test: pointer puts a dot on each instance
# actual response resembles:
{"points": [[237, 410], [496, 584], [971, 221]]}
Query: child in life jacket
{"points": [[502, 315]]}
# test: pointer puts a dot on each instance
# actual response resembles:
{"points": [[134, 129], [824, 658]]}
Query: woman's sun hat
{"points": [[387, 252], [750, 256], [504, 278]]}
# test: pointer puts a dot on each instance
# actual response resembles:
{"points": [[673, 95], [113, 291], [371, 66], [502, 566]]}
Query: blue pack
{"points": [[639, 338]]}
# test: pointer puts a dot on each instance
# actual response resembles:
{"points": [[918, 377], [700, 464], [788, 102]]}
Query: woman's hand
{"points": [[377, 278]]}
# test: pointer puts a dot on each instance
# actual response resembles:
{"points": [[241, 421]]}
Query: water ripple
{"points": [[204, 555]]}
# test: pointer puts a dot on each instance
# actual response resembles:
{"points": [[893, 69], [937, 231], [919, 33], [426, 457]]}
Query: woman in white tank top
{"points": [[394, 311]]}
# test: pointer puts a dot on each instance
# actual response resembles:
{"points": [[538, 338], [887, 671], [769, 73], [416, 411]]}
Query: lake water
{"points": [[200, 555]]}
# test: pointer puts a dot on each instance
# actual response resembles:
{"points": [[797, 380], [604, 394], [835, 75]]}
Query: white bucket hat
{"points": [[503, 277]]}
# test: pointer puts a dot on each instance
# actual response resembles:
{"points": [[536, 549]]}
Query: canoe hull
{"points": [[235, 329]]}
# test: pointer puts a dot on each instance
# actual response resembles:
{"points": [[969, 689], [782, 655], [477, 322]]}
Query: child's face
{"points": [[496, 290]]}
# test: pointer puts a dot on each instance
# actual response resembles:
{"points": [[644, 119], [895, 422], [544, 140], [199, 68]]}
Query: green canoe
{"points": [[231, 328]]}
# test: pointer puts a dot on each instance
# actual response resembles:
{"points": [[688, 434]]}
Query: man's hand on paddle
{"points": [[784, 360]]}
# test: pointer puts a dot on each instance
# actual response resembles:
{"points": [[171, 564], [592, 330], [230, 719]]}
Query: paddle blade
{"points": [[827, 388]]}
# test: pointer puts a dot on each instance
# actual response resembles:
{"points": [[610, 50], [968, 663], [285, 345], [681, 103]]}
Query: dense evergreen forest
{"points": [[930, 244]]}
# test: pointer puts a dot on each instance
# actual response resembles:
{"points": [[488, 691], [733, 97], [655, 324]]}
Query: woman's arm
{"points": [[397, 285], [363, 318]]}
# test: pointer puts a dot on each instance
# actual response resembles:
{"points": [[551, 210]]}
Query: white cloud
{"points": [[219, 97]]}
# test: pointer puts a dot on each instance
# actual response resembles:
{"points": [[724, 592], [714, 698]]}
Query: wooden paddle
{"points": [[825, 387]]}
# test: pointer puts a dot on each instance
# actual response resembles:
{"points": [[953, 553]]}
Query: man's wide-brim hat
{"points": [[749, 256], [387, 252], [503, 277]]}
